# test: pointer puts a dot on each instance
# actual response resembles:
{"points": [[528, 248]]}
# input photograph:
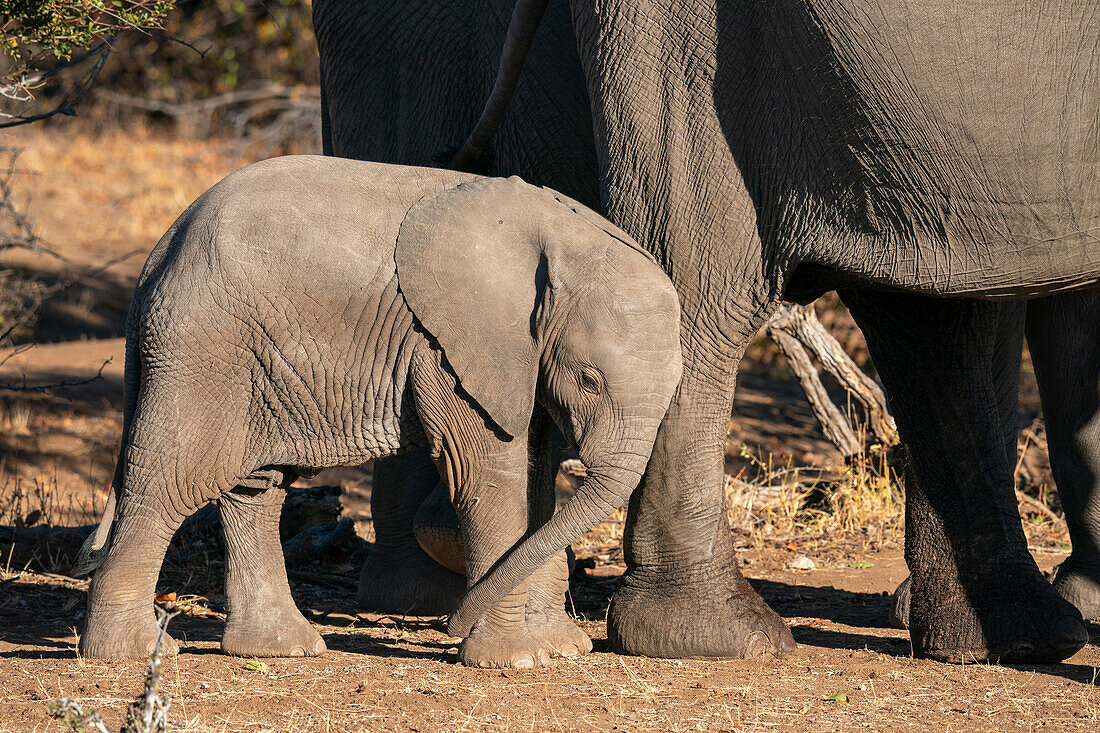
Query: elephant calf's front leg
{"points": [[547, 620], [263, 620], [492, 507]]}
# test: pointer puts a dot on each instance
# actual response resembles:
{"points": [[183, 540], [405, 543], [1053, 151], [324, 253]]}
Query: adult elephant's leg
{"points": [[1062, 333], [976, 591], [1005, 374], [263, 619], [683, 595], [399, 577]]}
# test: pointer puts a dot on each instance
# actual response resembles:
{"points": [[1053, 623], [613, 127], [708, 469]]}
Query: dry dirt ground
{"points": [[97, 199]]}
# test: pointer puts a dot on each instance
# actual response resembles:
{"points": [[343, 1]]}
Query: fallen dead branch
{"points": [[798, 333], [271, 114]]}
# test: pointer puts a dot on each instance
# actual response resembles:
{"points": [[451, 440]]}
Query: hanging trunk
{"points": [[602, 492]]}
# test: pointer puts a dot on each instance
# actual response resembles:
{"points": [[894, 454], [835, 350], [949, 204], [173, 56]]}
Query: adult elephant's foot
{"points": [[659, 614], [489, 647], [261, 632], [1014, 617], [119, 638], [408, 581], [1079, 583]]}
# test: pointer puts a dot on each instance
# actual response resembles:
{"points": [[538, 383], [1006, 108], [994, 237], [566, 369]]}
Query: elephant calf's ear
{"points": [[468, 264]]}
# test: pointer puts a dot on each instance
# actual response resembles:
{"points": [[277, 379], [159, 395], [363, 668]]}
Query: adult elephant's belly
{"points": [[981, 248], [948, 157]]}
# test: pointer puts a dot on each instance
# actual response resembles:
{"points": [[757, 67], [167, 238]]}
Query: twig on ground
{"points": [[1037, 506], [148, 714], [329, 579]]}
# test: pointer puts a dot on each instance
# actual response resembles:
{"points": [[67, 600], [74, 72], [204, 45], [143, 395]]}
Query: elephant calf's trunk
{"points": [[594, 500]]}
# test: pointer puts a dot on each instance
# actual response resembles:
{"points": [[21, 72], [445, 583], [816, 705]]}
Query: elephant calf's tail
{"points": [[594, 501], [94, 550]]}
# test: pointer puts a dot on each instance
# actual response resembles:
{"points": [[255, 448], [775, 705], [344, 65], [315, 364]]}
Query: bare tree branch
{"points": [[24, 387], [66, 106], [798, 333]]}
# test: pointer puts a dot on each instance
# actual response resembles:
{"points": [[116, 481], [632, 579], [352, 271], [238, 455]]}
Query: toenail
{"points": [[1071, 630], [297, 652], [523, 663], [570, 650], [757, 645]]}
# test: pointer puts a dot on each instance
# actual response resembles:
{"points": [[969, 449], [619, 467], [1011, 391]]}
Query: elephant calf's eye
{"points": [[590, 382]]}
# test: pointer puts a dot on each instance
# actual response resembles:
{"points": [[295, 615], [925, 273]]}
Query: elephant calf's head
{"points": [[531, 295]]}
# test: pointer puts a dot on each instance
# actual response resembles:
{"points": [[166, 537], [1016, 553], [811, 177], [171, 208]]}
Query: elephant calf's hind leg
{"points": [[121, 624], [263, 620], [399, 577]]}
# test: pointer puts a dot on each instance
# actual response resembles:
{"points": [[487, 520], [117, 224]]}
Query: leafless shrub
{"points": [[269, 117], [19, 296], [147, 714]]}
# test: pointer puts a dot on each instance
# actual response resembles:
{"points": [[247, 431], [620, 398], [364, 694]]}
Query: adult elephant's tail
{"points": [[521, 30]]}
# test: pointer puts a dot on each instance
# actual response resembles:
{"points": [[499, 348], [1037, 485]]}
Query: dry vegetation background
{"points": [[820, 539]]}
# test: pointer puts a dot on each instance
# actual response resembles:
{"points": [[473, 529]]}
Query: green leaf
{"points": [[860, 564], [838, 697], [253, 666]]}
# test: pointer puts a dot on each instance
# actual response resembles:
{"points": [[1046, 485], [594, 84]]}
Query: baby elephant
{"points": [[310, 312]]}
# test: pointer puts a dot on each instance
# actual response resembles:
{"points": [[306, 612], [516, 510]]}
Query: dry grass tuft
{"points": [[15, 418], [40, 501], [868, 495], [784, 499]]}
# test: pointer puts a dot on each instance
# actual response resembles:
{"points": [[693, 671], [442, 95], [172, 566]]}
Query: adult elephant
{"points": [[895, 152]]}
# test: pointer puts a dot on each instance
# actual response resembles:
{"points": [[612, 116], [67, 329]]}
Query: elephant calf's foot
{"points": [[489, 647], [409, 582], [717, 617], [271, 634], [1079, 583], [124, 640], [557, 634], [1029, 624]]}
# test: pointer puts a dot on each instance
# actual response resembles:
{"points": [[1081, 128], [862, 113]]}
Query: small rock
{"points": [[801, 563]]}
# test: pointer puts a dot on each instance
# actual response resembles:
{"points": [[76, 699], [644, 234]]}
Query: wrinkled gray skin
{"points": [[898, 153], [1065, 351], [309, 312], [398, 89]]}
